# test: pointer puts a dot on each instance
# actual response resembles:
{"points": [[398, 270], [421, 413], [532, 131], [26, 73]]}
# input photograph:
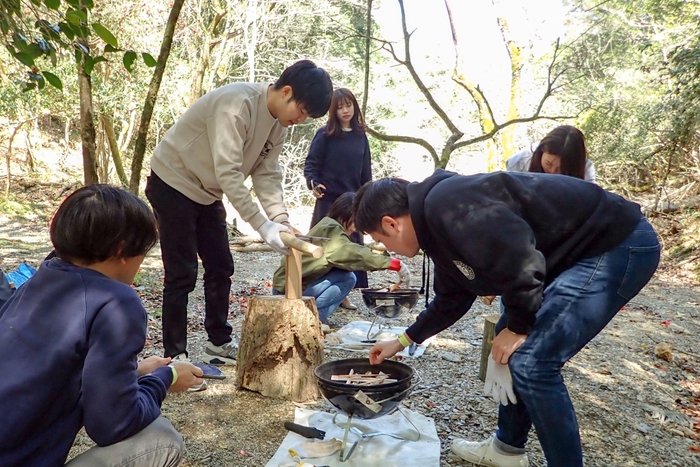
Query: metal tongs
{"points": [[362, 435]]}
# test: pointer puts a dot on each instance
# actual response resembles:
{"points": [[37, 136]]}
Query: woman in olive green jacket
{"points": [[329, 279]]}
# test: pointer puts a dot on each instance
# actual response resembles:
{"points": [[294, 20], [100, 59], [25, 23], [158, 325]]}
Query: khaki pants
{"points": [[157, 445]]}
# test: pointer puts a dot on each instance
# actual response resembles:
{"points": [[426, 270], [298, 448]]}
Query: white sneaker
{"points": [[221, 354], [325, 328], [197, 387], [347, 304], [484, 453]]}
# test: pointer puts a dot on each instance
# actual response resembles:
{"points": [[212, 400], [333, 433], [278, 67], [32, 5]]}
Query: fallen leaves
{"points": [[664, 351]]}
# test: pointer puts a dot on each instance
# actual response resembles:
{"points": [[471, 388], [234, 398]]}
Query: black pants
{"points": [[188, 229], [321, 208]]}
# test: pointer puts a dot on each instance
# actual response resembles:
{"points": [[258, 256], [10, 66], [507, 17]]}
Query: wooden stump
{"points": [[281, 345], [487, 342]]}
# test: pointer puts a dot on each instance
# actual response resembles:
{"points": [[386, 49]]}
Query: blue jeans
{"points": [[329, 290], [576, 306]]}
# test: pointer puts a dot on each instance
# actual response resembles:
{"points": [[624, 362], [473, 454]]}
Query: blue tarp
{"points": [[17, 277], [20, 275]]}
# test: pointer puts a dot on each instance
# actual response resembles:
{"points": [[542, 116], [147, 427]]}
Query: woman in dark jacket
{"points": [[339, 162]]}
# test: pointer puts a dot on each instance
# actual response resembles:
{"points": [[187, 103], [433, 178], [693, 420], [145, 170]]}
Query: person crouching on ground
{"points": [[70, 338], [329, 279], [562, 268]]}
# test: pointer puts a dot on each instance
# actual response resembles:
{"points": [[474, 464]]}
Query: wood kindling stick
{"points": [[367, 379], [305, 247], [293, 279]]}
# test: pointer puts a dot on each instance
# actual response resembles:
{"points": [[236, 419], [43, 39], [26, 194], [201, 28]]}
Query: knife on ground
{"points": [[310, 239], [305, 431]]}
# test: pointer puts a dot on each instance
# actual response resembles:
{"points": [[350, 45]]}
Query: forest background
{"points": [[89, 87]]}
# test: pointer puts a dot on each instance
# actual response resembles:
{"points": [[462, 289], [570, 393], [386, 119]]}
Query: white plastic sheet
{"points": [[355, 332], [380, 451]]}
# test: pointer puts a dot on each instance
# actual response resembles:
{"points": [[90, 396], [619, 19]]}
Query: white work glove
{"points": [[499, 383], [404, 275], [270, 232]]}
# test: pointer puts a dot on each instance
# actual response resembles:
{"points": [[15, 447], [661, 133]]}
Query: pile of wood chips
{"points": [[366, 379]]}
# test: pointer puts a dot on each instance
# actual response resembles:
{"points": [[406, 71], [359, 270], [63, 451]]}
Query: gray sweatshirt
{"points": [[224, 137]]}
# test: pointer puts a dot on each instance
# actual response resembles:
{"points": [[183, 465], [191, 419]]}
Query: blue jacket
{"points": [[69, 340]]}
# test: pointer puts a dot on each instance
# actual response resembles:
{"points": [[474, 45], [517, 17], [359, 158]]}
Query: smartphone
{"points": [[210, 371]]}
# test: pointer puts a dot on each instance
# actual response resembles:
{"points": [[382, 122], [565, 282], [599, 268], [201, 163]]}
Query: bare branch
{"points": [[419, 82], [405, 139], [501, 126]]}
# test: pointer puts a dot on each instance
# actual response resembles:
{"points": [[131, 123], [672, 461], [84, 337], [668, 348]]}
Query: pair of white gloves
{"points": [[404, 275], [499, 383], [270, 233]]}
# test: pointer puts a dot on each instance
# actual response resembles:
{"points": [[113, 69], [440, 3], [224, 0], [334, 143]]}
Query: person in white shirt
{"points": [[562, 151], [229, 134]]}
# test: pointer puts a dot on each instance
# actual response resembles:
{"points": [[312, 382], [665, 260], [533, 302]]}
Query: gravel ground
{"points": [[634, 408]]}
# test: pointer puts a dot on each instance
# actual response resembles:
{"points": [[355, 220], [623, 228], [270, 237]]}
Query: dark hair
{"points": [[566, 142], [98, 222], [311, 86], [341, 209], [357, 123], [374, 200]]}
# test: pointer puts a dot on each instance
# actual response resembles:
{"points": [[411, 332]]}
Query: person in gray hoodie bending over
{"points": [[230, 133]]}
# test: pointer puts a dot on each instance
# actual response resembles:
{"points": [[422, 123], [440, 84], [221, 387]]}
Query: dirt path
{"points": [[634, 408]]}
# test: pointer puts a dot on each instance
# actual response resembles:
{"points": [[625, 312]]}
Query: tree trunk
{"points": [[368, 45], [281, 345], [151, 96], [251, 38], [87, 126], [114, 149], [516, 54], [205, 55]]}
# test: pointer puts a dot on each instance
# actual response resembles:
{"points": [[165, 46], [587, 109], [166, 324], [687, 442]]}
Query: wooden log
{"points": [[292, 275], [377, 247], [281, 345], [256, 247], [487, 342], [245, 240], [305, 247]]}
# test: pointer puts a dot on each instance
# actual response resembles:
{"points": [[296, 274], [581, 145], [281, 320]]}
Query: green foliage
{"points": [[105, 35], [14, 208], [53, 79], [149, 60], [129, 58], [637, 68], [61, 27]]}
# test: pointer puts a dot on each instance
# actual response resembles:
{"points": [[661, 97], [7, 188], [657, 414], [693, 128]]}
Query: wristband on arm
{"points": [[403, 340], [174, 374]]}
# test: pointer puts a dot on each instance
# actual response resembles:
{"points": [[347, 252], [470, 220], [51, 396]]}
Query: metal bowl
{"points": [[390, 304], [342, 395]]}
